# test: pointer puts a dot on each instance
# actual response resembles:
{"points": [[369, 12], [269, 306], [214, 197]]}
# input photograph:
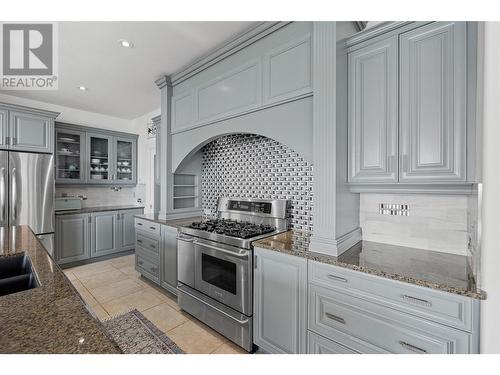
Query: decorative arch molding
{"points": [[289, 124]]}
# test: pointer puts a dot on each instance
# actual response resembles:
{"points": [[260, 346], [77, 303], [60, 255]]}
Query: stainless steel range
{"points": [[215, 264]]}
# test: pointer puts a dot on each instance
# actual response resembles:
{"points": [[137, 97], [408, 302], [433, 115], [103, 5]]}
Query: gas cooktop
{"points": [[232, 228]]}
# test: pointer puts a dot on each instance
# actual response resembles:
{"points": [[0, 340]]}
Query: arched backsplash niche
{"points": [[253, 166]]}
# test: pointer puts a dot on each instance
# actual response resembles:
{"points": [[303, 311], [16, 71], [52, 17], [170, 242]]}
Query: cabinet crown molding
{"points": [[163, 81], [37, 111]]}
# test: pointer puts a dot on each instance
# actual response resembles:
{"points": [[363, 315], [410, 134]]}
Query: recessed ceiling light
{"points": [[82, 88], [126, 43]]}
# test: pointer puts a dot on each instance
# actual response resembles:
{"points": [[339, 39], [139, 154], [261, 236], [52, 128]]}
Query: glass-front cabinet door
{"points": [[125, 160], [70, 146], [100, 168]]}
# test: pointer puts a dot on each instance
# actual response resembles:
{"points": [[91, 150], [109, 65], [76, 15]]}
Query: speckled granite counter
{"points": [[176, 223], [51, 318], [447, 272], [86, 210]]}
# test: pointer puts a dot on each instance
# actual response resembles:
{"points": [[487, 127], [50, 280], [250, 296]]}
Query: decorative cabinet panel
{"points": [[95, 156], [288, 70], [182, 111], [72, 238], [373, 73], [168, 259], [433, 103], [29, 132], [317, 344], [407, 110], [234, 92], [104, 234], [4, 128], [280, 294]]}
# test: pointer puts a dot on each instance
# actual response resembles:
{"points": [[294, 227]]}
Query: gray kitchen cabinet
{"points": [[71, 165], [72, 238], [433, 103], [407, 116], [100, 156], [127, 228], [104, 233], [317, 344], [4, 128], [124, 160], [280, 300], [168, 258], [31, 132], [373, 73]]}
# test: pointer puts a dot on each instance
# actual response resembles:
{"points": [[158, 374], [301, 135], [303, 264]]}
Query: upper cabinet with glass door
{"points": [[124, 149], [100, 153], [95, 156], [70, 146]]}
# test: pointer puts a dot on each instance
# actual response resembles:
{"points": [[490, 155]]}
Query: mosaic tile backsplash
{"points": [[252, 166]]}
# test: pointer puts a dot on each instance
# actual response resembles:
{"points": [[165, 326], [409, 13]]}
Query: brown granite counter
{"points": [[86, 210], [447, 272], [51, 318], [175, 223]]}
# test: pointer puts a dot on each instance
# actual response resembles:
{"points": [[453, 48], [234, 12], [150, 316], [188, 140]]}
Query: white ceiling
{"points": [[120, 80]]}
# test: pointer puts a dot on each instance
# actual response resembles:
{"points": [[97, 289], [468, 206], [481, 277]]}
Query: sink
{"points": [[16, 275]]}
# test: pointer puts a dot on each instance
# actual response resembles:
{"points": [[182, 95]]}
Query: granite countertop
{"points": [[51, 318], [86, 210], [175, 223], [446, 272]]}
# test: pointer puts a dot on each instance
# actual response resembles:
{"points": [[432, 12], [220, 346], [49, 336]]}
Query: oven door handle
{"points": [[244, 321], [239, 255]]}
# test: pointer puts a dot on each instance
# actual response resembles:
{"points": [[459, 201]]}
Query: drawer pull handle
{"points": [[152, 228], [139, 224], [335, 317], [140, 241], [417, 301], [412, 348], [337, 278], [153, 246]]}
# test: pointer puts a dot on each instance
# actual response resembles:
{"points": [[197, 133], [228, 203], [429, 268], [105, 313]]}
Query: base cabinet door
{"points": [[104, 233], [280, 294], [168, 258], [127, 228], [72, 238]]}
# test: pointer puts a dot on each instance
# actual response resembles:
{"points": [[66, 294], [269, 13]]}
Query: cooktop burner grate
{"points": [[233, 228]]}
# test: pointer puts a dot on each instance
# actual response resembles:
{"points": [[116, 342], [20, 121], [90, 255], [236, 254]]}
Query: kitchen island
{"points": [[51, 318]]}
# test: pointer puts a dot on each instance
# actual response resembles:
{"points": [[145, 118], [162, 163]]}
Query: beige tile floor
{"points": [[112, 287]]}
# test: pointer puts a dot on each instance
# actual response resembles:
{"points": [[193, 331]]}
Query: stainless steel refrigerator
{"points": [[27, 193]]}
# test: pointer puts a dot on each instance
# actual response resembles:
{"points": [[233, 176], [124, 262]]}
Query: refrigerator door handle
{"points": [[2, 194], [14, 195]]}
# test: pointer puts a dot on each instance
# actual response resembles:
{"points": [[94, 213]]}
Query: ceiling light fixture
{"points": [[126, 43], [82, 88]]}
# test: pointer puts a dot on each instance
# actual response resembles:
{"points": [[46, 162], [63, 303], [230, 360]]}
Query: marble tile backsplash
{"points": [[435, 222], [104, 195]]}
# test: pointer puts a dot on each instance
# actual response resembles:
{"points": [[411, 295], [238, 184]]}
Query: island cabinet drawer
{"points": [[331, 312], [148, 227], [148, 244], [146, 267], [317, 344], [446, 308]]}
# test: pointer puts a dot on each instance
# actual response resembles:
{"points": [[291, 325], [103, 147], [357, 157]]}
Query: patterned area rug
{"points": [[135, 334]]}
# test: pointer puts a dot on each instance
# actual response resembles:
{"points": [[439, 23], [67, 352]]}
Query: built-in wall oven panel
{"points": [[185, 260], [224, 273]]}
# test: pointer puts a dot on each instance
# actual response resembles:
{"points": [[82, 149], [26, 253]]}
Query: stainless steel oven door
{"points": [[225, 274]]}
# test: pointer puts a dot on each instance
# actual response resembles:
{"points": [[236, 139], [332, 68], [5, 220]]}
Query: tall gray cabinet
{"points": [[408, 103]]}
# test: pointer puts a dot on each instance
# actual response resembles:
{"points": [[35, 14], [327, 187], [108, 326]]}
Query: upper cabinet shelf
{"points": [[92, 156], [408, 103]]}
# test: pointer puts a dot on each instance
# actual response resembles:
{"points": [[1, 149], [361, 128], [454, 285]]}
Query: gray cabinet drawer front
{"points": [[445, 308], [331, 311], [317, 344], [147, 267], [148, 227], [148, 244]]}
